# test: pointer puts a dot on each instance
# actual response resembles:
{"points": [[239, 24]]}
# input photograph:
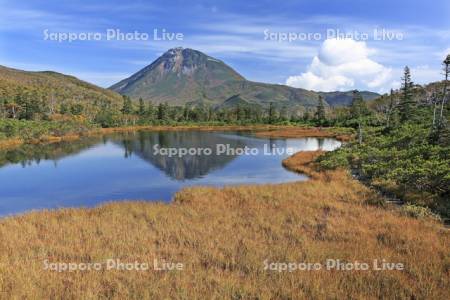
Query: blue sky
{"points": [[245, 34]]}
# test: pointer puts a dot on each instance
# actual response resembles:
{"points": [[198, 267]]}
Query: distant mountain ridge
{"points": [[186, 76], [345, 98]]}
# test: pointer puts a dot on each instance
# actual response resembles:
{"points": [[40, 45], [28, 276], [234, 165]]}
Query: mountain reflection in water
{"points": [[125, 166], [187, 166]]}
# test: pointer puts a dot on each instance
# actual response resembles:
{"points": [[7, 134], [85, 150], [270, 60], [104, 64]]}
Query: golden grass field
{"points": [[223, 236]]}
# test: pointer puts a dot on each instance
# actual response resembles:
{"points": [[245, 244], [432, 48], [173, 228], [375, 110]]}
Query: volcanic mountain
{"points": [[186, 76]]}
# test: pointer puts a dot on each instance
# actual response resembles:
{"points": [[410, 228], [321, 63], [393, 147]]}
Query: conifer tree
{"points": [[320, 113], [358, 110], [406, 106], [162, 111], [272, 113], [150, 110], [141, 107], [390, 109], [358, 107], [446, 64], [127, 105]]}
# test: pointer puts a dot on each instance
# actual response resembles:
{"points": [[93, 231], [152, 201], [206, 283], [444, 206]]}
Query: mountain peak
{"points": [[176, 49], [182, 60], [187, 60], [179, 75], [174, 52]]}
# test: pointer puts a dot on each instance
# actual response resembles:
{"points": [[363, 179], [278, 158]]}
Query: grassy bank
{"points": [[223, 237]]}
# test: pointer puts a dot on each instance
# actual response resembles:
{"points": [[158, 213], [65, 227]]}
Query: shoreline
{"points": [[279, 131]]}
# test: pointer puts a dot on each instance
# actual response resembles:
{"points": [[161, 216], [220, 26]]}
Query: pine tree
{"points": [[358, 107], [150, 111], [162, 112], [186, 113], [446, 64], [320, 113], [211, 114], [127, 105], [406, 106], [440, 132], [141, 107], [390, 109], [272, 113]]}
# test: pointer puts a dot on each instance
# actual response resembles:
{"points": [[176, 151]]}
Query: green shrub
{"points": [[28, 130], [401, 161], [334, 159], [419, 212]]}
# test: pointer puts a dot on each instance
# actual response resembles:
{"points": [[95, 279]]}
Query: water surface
{"points": [[126, 166]]}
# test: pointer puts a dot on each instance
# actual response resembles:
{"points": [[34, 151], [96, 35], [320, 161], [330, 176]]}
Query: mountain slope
{"points": [[178, 76], [345, 98], [47, 87]]}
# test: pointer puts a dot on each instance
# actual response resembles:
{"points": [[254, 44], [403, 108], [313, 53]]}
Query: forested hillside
{"points": [[38, 95]]}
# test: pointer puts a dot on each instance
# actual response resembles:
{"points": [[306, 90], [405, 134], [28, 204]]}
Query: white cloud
{"points": [[310, 81], [343, 64]]}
